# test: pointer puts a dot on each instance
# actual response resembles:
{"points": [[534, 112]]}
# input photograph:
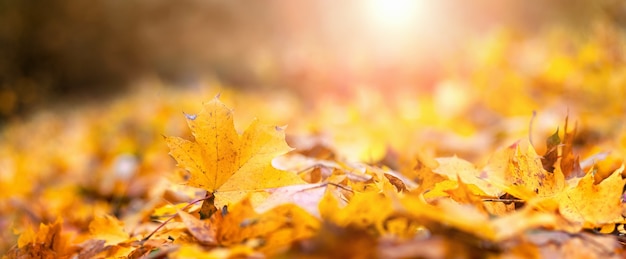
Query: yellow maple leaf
{"points": [[453, 167], [594, 204], [468, 194], [364, 209], [109, 229], [226, 163], [518, 170], [449, 213], [525, 169]]}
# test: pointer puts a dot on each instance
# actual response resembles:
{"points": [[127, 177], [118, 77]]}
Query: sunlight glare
{"points": [[392, 14]]}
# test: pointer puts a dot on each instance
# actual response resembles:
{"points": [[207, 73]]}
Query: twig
{"points": [[530, 128], [173, 216], [504, 200]]}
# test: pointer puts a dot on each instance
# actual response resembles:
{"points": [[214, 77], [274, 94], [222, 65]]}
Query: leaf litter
{"points": [[312, 190]]}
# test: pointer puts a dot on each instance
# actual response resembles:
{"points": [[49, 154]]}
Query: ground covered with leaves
{"points": [[517, 153]]}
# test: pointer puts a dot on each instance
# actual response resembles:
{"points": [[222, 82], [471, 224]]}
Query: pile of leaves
{"points": [[443, 173]]}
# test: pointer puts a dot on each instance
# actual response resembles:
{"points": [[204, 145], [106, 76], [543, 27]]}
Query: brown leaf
{"points": [[552, 151], [395, 181], [48, 242], [200, 229], [568, 159]]}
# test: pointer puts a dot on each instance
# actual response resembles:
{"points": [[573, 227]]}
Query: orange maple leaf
{"points": [[226, 163], [48, 242]]}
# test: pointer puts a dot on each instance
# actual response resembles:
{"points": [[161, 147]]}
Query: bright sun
{"points": [[393, 14]]}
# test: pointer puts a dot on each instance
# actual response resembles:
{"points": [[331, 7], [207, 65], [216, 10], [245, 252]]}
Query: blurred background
{"points": [[56, 50]]}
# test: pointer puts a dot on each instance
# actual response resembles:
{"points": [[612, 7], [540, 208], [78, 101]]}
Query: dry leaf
{"points": [[48, 242], [307, 196], [201, 230], [552, 151], [109, 229], [453, 167], [570, 165], [226, 163], [591, 204]]}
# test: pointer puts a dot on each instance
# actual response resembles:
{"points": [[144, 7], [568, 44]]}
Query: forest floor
{"points": [[520, 155]]}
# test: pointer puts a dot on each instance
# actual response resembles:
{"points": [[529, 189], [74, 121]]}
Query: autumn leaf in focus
{"points": [[591, 204], [519, 171], [228, 164], [526, 169]]}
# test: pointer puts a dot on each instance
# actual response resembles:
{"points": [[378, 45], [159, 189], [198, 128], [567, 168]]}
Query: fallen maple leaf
{"points": [[194, 251], [307, 196], [48, 242], [519, 171], [268, 232], [593, 204], [453, 167], [109, 229], [526, 169], [466, 194], [363, 210], [226, 163], [198, 228]]}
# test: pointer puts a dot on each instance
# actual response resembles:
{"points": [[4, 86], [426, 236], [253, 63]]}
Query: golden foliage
{"points": [[399, 175]]}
